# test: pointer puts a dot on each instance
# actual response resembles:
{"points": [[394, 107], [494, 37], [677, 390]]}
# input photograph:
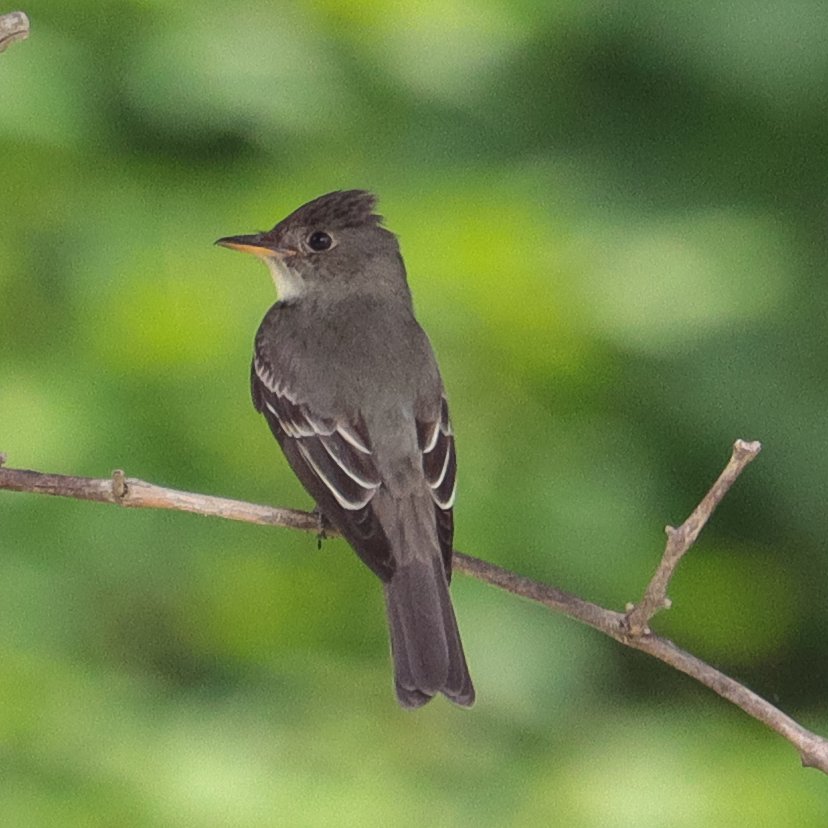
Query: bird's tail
{"points": [[425, 642]]}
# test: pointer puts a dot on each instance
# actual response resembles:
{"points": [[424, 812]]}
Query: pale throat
{"points": [[288, 284]]}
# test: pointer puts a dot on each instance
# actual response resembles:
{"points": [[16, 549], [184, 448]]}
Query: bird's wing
{"points": [[436, 441], [333, 459]]}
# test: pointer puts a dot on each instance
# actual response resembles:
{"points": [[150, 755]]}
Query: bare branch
{"points": [[680, 540], [813, 749], [133, 493], [14, 26]]}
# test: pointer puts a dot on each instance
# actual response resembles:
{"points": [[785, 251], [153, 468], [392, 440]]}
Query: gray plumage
{"points": [[347, 380]]}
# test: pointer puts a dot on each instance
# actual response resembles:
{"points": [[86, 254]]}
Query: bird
{"points": [[349, 385]]}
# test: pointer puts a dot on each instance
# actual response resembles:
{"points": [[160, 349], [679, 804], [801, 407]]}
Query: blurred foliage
{"points": [[614, 220]]}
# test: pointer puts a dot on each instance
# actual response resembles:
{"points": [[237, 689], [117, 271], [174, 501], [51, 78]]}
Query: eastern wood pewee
{"points": [[347, 380]]}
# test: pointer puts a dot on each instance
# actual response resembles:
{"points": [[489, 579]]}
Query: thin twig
{"points": [[14, 26], [133, 493], [680, 540]]}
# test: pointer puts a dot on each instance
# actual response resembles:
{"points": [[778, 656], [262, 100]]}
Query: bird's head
{"points": [[335, 243]]}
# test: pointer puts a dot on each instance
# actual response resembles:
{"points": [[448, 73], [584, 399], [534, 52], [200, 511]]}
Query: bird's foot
{"points": [[323, 524]]}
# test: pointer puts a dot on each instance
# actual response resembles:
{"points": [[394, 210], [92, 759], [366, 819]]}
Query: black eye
{"points": [[319, 240]]}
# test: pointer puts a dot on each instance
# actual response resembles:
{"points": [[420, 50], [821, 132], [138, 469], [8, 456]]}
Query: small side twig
{"points": [[680, 539], [14, 26]]}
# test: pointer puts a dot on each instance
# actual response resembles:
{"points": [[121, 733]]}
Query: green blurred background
{"points": [[614, 219]]}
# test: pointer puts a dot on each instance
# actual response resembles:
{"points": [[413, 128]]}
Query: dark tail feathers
{"points": [[425, 642]]}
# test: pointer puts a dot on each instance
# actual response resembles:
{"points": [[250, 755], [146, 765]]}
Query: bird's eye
{"points": [[319, 240]]}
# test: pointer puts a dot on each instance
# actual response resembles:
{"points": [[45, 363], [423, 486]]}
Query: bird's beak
{"points": [[257, 244]]}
